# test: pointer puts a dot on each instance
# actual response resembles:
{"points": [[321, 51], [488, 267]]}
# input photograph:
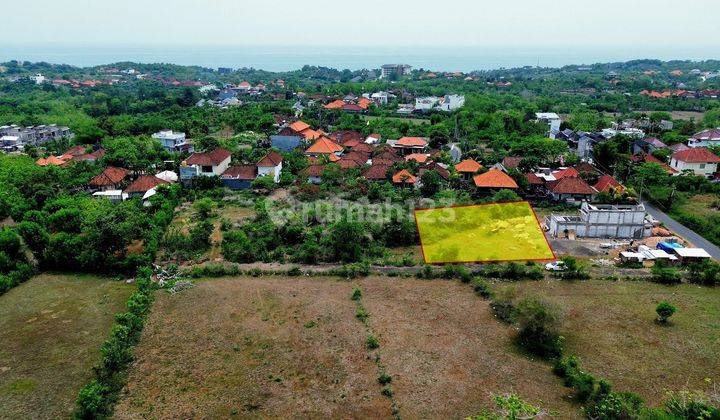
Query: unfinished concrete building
{"points": [[602, 221]]}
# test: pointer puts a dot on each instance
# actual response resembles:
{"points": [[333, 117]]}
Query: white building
{"points": [[602, 221], [173, 141], [38, 79], [699, 161], [552, 119], [205, 164], [388, 70], [427, 103], [450, 103], [270, 165]]}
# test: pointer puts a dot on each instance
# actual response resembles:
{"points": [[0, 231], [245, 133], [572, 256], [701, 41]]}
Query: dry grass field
{"points": [[51, 328], [609, 325], [292, 348]]}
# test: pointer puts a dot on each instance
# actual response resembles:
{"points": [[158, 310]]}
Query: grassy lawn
{"points": [[482, 233], [609, 325], [51, 328], [275, 347], [701, 205]]}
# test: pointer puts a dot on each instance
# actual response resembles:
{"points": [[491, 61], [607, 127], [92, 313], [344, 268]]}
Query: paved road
{"points": [[683, 231]]}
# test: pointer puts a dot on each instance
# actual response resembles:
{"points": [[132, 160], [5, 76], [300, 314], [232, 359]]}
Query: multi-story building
{"points": [[173, 141], [388, 70], [602, 221]]}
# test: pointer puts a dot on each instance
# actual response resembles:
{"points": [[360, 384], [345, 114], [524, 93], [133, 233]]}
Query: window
{"points": [[702, 166], [207, 169]]}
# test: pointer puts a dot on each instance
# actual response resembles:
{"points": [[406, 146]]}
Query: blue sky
{"points": [[655, 23]]}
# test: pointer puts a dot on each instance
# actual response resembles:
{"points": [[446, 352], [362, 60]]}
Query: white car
{"points": [[555, 266]]}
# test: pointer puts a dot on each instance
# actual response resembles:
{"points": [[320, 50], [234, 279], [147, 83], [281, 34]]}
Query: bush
{"points": [[573, 270], [371, 342], [482, 288], [616, 405], [384, 379], [353, 270], [362, 314], [387, 391], [664, 310], [91, 401], [665, 275], [538, 323], [688, 405], [503, 306], [356, 293]]}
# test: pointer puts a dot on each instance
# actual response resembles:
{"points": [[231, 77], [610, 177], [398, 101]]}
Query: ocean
{"points": [[284, 58]]}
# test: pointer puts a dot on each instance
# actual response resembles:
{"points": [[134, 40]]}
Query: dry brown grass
{"points": [[244, 346], [609, 325], [247, 346], [50, 330]]}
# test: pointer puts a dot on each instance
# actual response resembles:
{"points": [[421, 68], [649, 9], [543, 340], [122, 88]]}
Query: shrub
{"points": [[362, 314], [509, 407], [573, 270], [294, 272], [503, 306], [91, 401], [688, 405], [387, 391], [616, 405], [356, 293], [665, 275], [384, 378], [371, 342], [482, 288], [664, 310], [538, 323], [426, 272], [354, 270]]}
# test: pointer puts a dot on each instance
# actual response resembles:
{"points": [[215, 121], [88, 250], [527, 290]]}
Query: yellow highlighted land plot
{"points": [[482, 233]]}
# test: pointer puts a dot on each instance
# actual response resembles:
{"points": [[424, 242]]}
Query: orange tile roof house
{"points": [[407, 145], [324, 146], [494, 179], [404, 177], [109, 179], [698, 161], [417, 157], [299, 126], [376, 172], [608, 184], [467, 168]]}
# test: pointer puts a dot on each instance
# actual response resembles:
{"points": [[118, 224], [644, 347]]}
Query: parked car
{"points": [[555, 266]]}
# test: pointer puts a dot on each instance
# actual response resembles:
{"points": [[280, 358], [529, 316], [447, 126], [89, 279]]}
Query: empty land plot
{"points": [[482, 233], [447, 353], [266, 347], [51, 328], [609, 325], [292, 348]]}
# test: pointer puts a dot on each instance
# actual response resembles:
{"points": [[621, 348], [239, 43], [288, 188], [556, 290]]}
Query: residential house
{"points": [[376, 172], [608, 184], [144, 184], [468, 168], [417, 157], [571, 189], [373, 139], [494, 179], [645, 158], [700, 161], [110, 178], [239, 177], [324, 146], [270, 165], [173, 141], [705, 138], [404, 178], [205, 164], [648, 145], [449, 103], [409, 145], [314, 173]]}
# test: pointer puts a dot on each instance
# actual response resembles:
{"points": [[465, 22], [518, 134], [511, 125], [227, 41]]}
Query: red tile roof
{"points": [[511, 162], [364, 103], [144, 184], [494, 178], [712, 134], [534, 179], [606, 183], [245, 172], [434, 166], [571, 185], [404, 177], [214, 158], [314, 170], [345, 136], [323, 146], [338, 104], [469, 166], [418, 157], [696, 155], [411, 142], [299, 126], [109, 176], [271, 159], [376, 172], [566, 173]]}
